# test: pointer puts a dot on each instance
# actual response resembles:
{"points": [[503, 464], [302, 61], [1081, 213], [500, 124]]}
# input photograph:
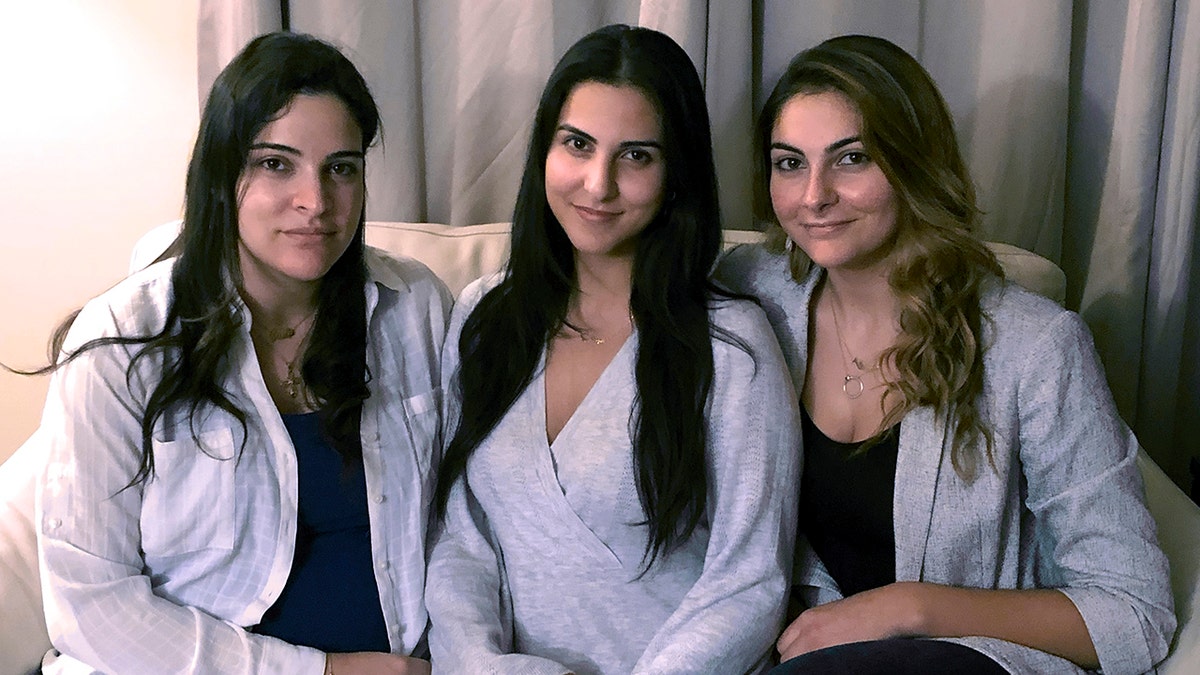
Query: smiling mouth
{"points": [[595, 214], [825, 227]]}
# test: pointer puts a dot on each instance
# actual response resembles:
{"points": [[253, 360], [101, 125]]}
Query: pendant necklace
{"points": [[852, 384], [291, 383]]}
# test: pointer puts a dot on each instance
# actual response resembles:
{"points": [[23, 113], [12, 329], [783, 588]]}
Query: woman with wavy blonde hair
{"points": [[966, 476]]}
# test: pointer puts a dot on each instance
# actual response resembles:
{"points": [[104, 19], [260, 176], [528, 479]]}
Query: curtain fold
{"points": [[1169, 392], [1079, 121]]}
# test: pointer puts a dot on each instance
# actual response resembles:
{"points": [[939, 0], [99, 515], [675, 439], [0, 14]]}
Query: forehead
{"points": [[316, 121], [817, 119], [611, 112]]}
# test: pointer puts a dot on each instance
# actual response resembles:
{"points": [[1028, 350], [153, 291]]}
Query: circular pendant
{"points": [[853, 386]]}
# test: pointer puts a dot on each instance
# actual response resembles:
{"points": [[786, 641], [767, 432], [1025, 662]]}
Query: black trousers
{"points": [[895, 656]]}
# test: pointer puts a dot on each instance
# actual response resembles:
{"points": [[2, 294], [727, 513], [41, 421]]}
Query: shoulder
{"points": [[1020, 323], [137, 305], [740, 317], [746, 267], [473, 292], [405, 275]]}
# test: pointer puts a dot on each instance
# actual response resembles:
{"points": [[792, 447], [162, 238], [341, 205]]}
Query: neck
{"points": [[860, 294], [278, 308], [603, 282]]}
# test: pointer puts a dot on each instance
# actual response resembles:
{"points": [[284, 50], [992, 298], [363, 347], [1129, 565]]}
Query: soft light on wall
{"points": [[99, 117]]}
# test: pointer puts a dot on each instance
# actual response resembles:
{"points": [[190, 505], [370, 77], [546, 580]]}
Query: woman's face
{"points": [[829, 195], [300, 195], [605, 171]]}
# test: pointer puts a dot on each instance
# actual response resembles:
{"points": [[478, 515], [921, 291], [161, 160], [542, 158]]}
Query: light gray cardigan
{"points": [[538, 568], [1063, 508]]}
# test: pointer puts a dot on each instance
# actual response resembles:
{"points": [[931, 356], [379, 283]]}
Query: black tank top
{"points": [[846, 507]]}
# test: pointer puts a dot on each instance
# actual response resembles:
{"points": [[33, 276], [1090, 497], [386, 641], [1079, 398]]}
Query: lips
{"points": [[595, 215], [309, 233], [818, 229]]}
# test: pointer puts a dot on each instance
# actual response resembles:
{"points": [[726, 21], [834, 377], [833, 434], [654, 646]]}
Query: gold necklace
{"points": [[852, 384], [292, 382], [276, 334], [588, 336]]}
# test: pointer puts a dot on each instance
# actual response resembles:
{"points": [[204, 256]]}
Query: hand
{"points": [[371, 663], [884, 612]]}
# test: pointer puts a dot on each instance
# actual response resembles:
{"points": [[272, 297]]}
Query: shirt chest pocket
{"points": [[422, 420], [189, 503]]}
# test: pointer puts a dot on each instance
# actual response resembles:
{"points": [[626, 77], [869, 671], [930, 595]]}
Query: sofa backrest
{"points": [[459, 255]]}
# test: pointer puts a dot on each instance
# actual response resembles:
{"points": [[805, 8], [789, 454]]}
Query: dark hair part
{"points": [[941, 267], [203, 319], [504, 336]]}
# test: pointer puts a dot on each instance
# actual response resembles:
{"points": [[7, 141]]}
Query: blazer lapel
{"points": [[918, 463]]}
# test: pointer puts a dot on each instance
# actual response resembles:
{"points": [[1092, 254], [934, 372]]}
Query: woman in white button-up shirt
{"points": [[176, 514]]}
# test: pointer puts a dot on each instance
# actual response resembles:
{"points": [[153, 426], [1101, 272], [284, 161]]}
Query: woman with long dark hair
{"points": [[966, 475], [240, 437], [615, 492]]}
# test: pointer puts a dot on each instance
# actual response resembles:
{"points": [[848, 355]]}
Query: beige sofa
{"points": [[458, 255]]}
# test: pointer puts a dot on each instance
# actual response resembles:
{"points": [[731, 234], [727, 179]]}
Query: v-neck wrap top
{"points": [[538, 566]]}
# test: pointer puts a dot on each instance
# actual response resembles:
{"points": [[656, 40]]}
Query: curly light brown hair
{"points": [[940, 266]]}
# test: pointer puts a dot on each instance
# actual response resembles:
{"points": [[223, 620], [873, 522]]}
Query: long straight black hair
{"points": [[203, 319], [504, 336]]}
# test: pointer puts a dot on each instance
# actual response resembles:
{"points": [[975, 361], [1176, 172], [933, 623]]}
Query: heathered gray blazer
{"points": [[1064, 506]]}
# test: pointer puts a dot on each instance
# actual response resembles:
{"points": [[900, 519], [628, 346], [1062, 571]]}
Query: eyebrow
{"points": [[829, 148], [623, 144], [279, 147]]}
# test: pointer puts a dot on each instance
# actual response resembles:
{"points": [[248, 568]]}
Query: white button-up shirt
{"points": [[164, 576]]}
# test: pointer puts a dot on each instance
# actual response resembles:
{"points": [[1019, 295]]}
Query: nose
{"points": [[310, 193], [600, 181], [819, 191]]}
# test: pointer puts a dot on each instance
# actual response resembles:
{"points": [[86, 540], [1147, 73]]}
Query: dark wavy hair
{"points": [[504, 336], [203, 319], [941, 266]]}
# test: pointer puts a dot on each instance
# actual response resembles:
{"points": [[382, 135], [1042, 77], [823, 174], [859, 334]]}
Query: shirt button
{"points": [[379, 499], [383, 564], [54, 523]]}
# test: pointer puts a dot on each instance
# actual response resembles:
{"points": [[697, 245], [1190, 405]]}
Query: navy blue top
{"points": [[846, 507], [330, 601]]}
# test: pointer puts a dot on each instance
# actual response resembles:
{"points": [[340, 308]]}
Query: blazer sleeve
{"points": [[1095, 536], [730, 618]]}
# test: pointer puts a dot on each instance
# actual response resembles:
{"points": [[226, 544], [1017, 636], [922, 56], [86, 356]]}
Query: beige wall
{"points": [[99, 114]]}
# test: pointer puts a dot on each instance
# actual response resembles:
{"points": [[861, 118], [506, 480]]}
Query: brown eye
{"points": [[640, 156], [344, 169], [787, 164], [853, 158]]}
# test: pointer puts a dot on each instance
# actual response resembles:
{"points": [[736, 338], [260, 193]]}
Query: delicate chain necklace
{"points": [[293, 382], [588, 336], [852, 384], [277, 334]]}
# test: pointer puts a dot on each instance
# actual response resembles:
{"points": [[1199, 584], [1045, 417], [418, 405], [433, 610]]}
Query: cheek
{"points": [[876, 197], [351, 197], [783, 197], [558, 174], [644, 188]]}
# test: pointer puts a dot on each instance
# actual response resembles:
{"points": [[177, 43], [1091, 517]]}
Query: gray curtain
{"points": [[1080, 121]]}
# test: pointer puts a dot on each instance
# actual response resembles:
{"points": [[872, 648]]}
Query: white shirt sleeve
{"points": [[100, 608]]}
